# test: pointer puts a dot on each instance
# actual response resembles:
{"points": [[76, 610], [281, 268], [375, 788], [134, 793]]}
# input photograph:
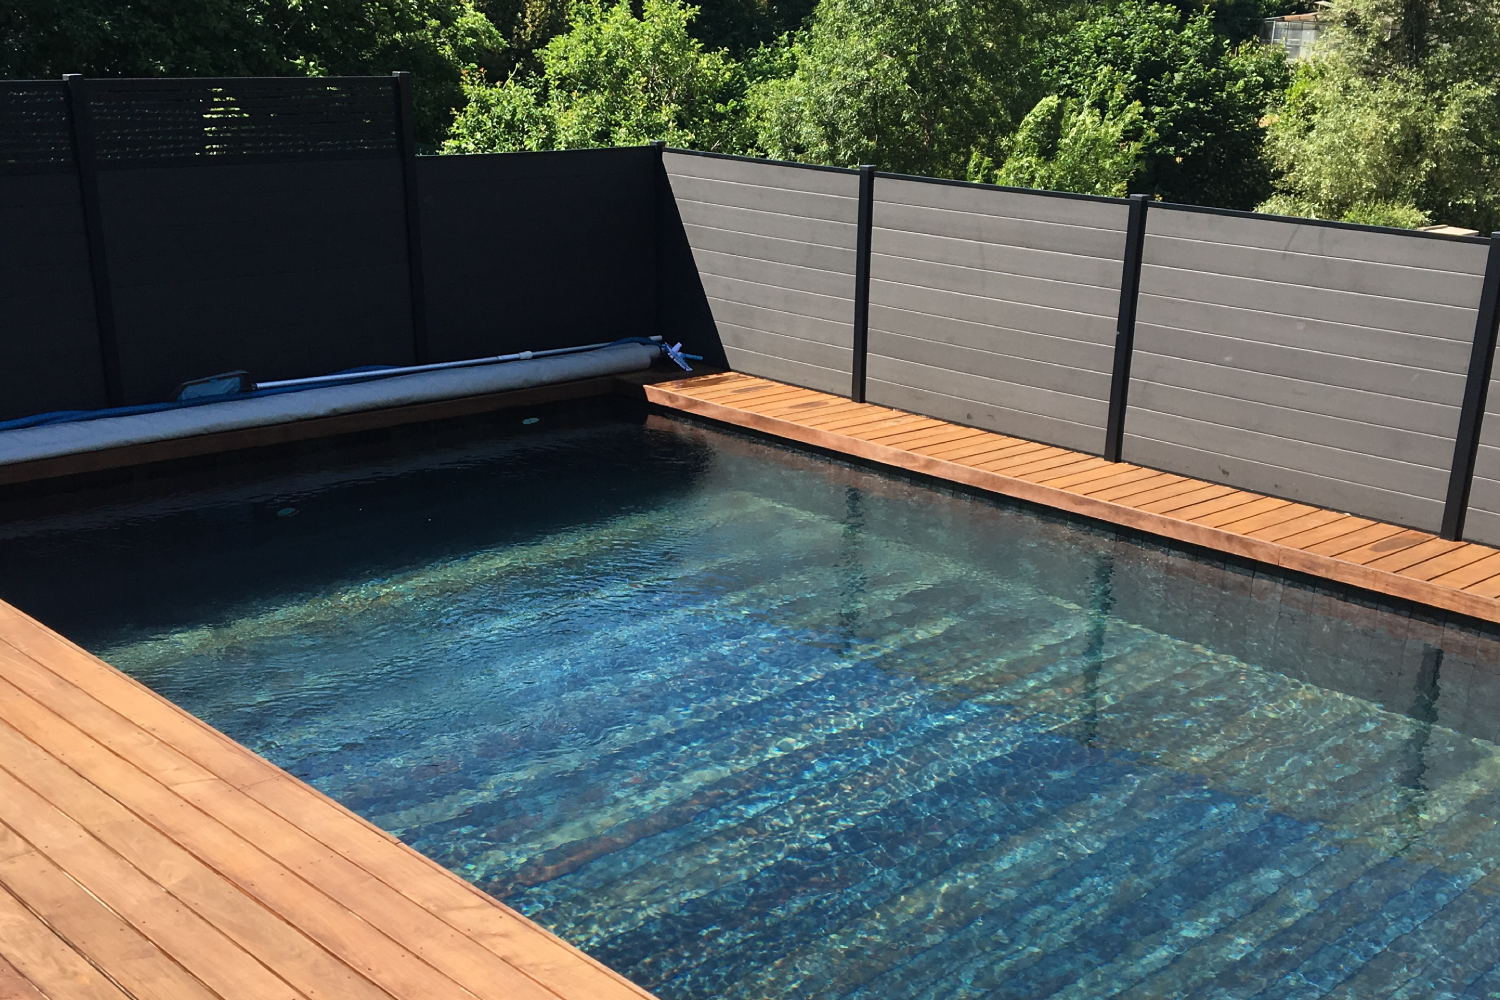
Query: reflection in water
{"points": [[752, 724]]}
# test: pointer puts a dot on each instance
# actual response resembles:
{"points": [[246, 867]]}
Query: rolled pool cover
{"points": [[29, 444]]}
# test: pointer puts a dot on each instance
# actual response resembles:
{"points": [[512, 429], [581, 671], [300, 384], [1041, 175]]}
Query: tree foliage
{"points": [[613, 79], [1201, 101], [911, 85], [1396, 121], [434, 39], [1063, 145], [1397, 118]]}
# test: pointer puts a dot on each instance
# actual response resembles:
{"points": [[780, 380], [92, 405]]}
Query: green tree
{"points": [[1201, 100], [911, 85], [1397, 119], [435, 39], [1064, 146], [612, 79]]}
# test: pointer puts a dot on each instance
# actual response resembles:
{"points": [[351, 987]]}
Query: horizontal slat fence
{"points": [[995, 308], [774, 246], [1317, 363], [1483, 521]]}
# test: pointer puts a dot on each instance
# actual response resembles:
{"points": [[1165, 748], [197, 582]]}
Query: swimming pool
{"points": [[743, 722]]}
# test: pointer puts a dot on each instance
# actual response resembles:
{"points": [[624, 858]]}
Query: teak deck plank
{"points": [[1127, 484], [1383, 558], [256, 863], [282, 947], [92, 927], [46, 961], [14, 986], [1447, 562], [1476, 572], [360, 944]]}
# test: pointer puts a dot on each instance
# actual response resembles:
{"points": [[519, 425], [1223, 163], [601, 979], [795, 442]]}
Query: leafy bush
{"points": [[910, 85], [1201, 100], [435, 39], [1401, 108], [1065, 146], [613, 79]]}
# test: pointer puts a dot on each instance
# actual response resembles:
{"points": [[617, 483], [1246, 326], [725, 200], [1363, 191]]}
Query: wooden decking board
{"points": [[1296, 536], [531, 948], [406, 923], [999, 451], [1304, 540], [293, 876], [939, 435], [1486, 588], [809, 408], [1413, 555], [1446, 562], [980, 445], [1296, 525], [918, 426], [1126, 484], [1360, 547], [1030, 465], [1475, 572], [860, 424], [108, 912], [1066, 473], [1232, 501], [14, 986], [1079, 481], [279, 889], [1269, 519], [1154, 493], [1219, 518], [46, 960], [223, 907], [1043, 468]]}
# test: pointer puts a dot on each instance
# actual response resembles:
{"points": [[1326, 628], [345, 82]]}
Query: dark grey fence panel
{"points": [[284, 269], [1318, 363], [49, 341], [527, 251], [774, 246], [995, 308]]}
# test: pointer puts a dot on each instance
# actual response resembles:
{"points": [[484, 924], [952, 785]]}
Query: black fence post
{"points": [[406, 142], [1476, 391], [660, 191], [1130, 291], [85, 155], [866, 224]]}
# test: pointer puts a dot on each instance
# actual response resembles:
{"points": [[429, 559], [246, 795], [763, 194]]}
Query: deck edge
{"points": [[1258, 550]]}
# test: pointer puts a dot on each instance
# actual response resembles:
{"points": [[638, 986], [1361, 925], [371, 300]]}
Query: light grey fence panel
{"points": [[1482, 524], [1315, 363], [995, 309], [774, 246]]}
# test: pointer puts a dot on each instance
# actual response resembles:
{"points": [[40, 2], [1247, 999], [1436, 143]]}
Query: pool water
{"points": [[745, 722]]}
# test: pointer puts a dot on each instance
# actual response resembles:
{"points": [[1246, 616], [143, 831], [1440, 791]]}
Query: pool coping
{"points": [[1382, 558]]}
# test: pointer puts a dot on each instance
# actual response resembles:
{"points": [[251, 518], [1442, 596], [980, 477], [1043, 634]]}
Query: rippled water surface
{"points": [[747, 723]]}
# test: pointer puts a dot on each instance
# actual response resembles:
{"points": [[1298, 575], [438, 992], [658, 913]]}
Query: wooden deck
{"points": [[1385, 558], [144, 854]]}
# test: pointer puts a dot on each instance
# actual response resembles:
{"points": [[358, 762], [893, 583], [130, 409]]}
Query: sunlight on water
{"points": [[770, 726]]}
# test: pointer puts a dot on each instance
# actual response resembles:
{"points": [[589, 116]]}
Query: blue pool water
{"points": [[744, 722]]}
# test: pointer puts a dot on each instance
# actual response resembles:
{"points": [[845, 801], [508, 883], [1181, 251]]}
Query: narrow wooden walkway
{"points": [[1384, 558], [144, 854]]}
